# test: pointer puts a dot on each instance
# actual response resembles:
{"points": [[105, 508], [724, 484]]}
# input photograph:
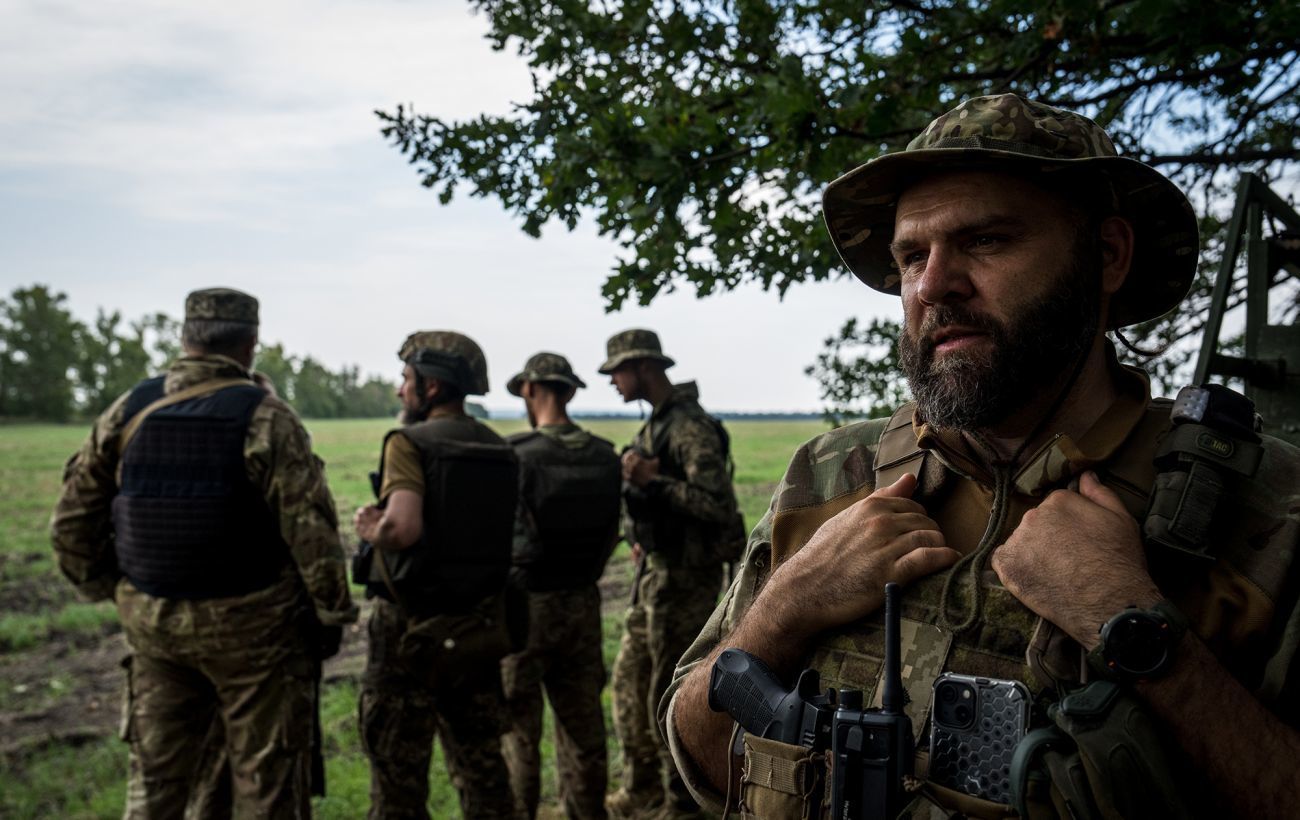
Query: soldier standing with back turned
{"points": [[197, 505], [566, 528], [681, 508], [441, 538]]}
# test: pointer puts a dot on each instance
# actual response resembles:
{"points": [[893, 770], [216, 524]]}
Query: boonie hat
{"points": [[636, 343], [1007, 131], [544, 367]]}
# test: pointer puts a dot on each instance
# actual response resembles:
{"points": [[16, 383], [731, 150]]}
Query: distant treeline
{"points": [[53, 367]]}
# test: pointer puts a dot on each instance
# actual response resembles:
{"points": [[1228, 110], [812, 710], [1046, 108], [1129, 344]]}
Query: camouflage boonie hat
{"points": [[446, 354], [222, 305], [1008, 131], [633, 344], [545, 367]]}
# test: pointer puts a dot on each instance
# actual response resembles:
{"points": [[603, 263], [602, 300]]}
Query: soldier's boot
{"points": [[641, 794]]}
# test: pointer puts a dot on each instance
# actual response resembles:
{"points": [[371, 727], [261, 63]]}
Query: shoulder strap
{"points": [[191, 392], [793, 527], [898, 452]]}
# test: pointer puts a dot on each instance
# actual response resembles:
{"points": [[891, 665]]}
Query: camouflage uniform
{"points": [[1235, 609], [684, 508], [962, 619], [241, 667], [563, 648], [436, 675]]}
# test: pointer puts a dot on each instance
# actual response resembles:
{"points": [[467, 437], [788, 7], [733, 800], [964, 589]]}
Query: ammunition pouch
{"points": [[783, 780], [453, 649], [1104, 757], [1213, 438]]}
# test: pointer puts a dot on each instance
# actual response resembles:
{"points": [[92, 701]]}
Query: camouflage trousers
{"points": [[672, 607], [563, 655], [410, 695], [215, 737]]}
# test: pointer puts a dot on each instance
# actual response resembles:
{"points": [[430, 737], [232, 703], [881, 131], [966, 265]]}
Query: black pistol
{"points": [[742, 686], [872, 749]]}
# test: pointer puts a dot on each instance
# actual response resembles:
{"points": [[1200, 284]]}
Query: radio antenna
{"points": [[891, 698]]}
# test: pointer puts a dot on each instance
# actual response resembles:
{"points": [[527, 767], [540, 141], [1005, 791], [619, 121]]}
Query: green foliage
{"points": [[699, 135], [38, 350], [857, 364], [53, 366]]}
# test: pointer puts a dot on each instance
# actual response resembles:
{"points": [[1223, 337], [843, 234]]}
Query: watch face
{"points": [[1137, 643]]}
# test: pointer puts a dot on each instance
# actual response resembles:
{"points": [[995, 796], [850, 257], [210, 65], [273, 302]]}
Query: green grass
{"points": [[88, 780]]}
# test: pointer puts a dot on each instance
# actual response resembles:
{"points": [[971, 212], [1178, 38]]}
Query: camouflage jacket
{"points": [[679, 514], [279, 460], [1244, 607]]}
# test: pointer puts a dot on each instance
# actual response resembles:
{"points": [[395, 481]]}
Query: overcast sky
{"points": [[150, 147]]}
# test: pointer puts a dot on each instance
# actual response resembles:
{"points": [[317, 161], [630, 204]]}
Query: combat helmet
{"points": [[1064, 151], [447, 355], [545, 367], [636, 343]]}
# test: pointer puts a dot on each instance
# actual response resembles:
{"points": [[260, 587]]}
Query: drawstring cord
{"points": [[970, 567]]}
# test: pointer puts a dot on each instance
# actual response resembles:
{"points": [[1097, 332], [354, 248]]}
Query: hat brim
{"points": [[859, 212], [516, 384], [614, 362]]}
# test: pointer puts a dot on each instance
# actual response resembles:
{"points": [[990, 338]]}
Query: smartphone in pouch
{"points": [[975, 724]]}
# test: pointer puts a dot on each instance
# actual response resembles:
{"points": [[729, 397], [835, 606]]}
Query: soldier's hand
{"points": [[840, 574], [1077, 559], [637, 469], [366, 521], [637, 553]]}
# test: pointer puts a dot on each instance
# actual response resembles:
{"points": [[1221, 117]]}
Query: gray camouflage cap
{"points": [[545, 367], [222, 305], [1008, 132], [633, 344], [448, 355]]}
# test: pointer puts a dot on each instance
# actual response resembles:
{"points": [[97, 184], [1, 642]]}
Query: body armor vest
{"points": [[470, 494], [1009, 640], [187, 521], [570, 506]]}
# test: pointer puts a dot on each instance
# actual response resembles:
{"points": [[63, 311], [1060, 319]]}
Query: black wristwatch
{"points": [[1139, 644]]}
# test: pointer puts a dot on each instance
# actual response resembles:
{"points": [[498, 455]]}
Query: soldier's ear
{"points": [[1116, 237]]}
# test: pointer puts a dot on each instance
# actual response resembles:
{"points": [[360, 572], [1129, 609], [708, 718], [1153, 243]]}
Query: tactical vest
{"points": [[470, 493], [570, 507], [1223, 601], [187, 521]]}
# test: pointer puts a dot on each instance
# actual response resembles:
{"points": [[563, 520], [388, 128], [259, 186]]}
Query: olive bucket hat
{"points": [[633, 344], [544, 367], [1064, 151]]}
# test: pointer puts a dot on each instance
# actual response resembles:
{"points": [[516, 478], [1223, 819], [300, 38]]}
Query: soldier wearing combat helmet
{"points": [[565, 530], [681, 513], [230, 590], [438, 542], [1011, 499]]}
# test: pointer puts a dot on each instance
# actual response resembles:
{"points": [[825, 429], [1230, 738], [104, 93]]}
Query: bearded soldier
{"points": [[567, 526], [439, 540], [682, 514], [197, 505], [1022, 500]]}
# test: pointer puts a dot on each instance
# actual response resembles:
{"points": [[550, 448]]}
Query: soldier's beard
{"points": [[1030, 352]]}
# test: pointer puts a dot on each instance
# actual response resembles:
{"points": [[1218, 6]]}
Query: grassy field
{"points": [[58, 656]]}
